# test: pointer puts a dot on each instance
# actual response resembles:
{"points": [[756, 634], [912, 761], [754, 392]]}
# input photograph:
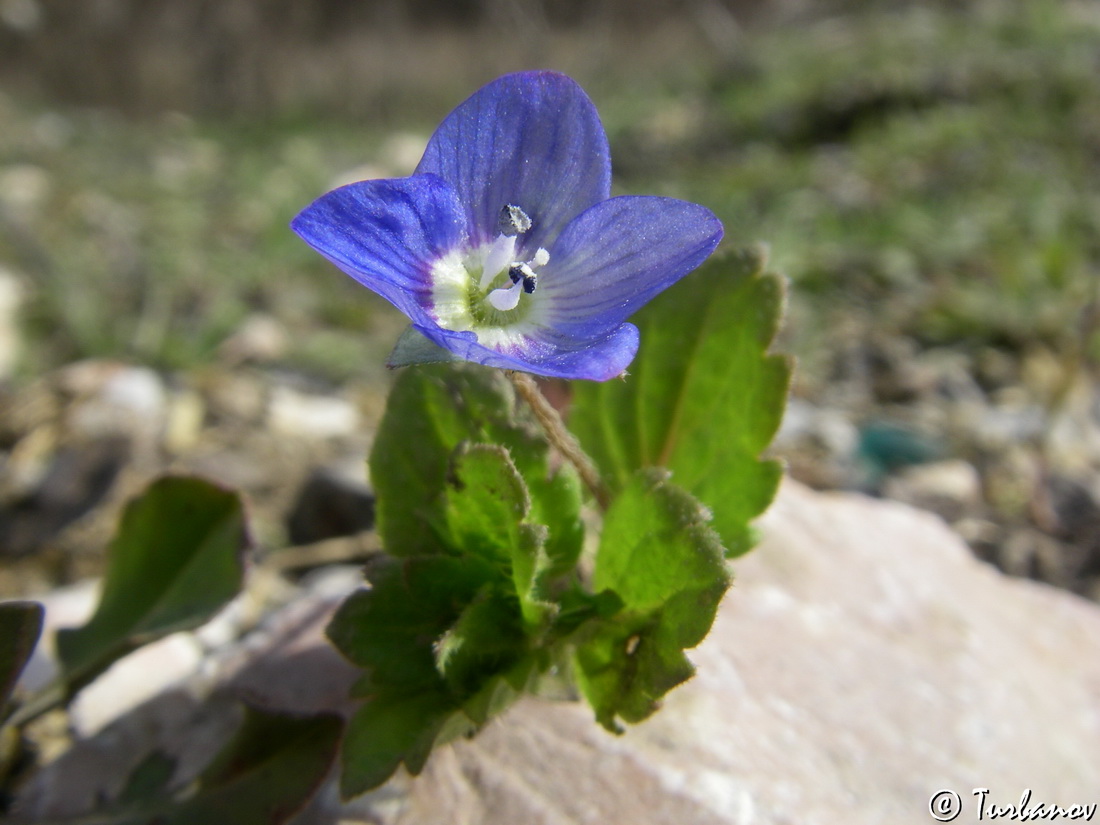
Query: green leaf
{"points": [[478, 526], [178, 559], [703, 398], [267, 773], [20, 627], [392, 628], [658, 555], [485, 507], [431, 411], [413, 348], [443, 645], [390, 729], [486, 639], [556, 502], [484, 503], [532, 573], [149, 781]]}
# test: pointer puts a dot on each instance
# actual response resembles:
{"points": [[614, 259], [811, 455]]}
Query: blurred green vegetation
{"points": [[925, 171], [154, 240], [929, 171]]}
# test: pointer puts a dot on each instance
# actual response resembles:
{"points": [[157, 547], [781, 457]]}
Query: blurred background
{"points": [[925, 174]]}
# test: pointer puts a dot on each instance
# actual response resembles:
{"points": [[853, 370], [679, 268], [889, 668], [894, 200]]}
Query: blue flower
{"points": [[504, 247]]}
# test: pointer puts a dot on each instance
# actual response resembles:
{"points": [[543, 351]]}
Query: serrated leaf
{"points": [[390, 729], [556, 502], [392, 628], [486, 639], [449, 632], [20, 627], [658, 555], [484, 503], [496, 695], [532, 572], [177, 559], [703, 397], [430, 412]]}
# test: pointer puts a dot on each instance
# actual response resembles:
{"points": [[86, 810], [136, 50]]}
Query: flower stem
{"points": [[560, 437]]}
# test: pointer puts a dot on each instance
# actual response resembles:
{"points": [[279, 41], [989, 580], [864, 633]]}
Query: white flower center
{"points": [[481, 289]]}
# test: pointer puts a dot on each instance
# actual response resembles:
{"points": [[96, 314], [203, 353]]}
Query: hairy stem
{"points": [[560, 437]]}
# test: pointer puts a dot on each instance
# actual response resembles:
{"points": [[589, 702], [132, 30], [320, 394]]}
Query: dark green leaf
{"points": [[265, 775], [432, 411], [390, 729], [392, 628], [658, 555], [20, 627], [149, 781], [177, 559], [486, 639], [703, 398], [495, 696]]}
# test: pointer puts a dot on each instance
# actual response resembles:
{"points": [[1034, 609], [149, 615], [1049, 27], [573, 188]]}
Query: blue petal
{"points": [[618, 255], [386, 234], [533, 140], [596, 359]]}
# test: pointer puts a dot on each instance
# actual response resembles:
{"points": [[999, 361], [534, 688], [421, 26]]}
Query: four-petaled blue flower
{"points": [[504, 247]]}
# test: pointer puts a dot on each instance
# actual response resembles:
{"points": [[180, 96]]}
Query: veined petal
{"points": [[617, 255], [387, 233], [532, 140], [547, 352]]}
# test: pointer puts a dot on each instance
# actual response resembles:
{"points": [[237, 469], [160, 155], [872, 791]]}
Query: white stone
{"points": [[69, 606], [115, 399], [260, 337], [952, 483], [184, 420], [311, 416], [135, 679], [804, 421], [24, 188], [11, 298]]}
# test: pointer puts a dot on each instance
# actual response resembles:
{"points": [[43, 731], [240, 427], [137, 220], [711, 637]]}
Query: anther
{"points": [[513, 220], [522, 272], [519, 271]]}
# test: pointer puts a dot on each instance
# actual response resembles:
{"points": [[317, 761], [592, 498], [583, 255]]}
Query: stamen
{"points": [[506, 299], [513, 220], [520, 272], [500, 254]]}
